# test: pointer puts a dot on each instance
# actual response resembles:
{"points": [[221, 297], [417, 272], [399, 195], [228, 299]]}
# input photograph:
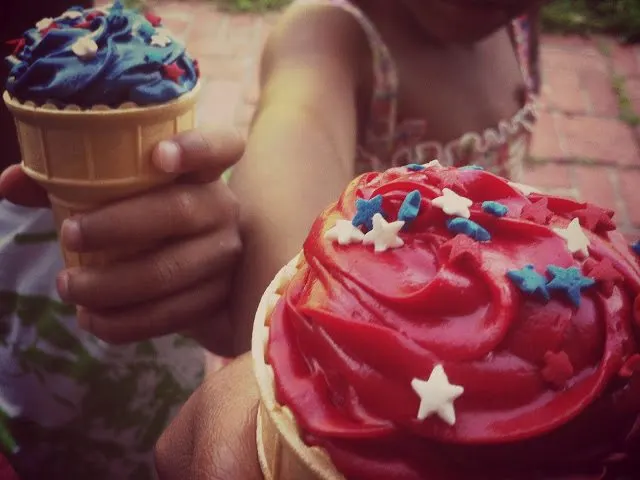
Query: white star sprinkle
{"points": [[344, 233], [437, 396], [577, 241], [160, 40], [44, 23], [71, 14], [384, 235], [526, 190], [453, 204], [85, 48], [433, 164]]}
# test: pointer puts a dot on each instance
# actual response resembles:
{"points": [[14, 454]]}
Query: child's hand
{"points": [[182, 284]]}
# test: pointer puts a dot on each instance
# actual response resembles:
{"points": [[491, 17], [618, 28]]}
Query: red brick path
{"points": [[581, 147]]}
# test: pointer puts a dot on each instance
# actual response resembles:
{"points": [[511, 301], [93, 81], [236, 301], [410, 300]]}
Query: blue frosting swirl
{"points": [[133, 63]]}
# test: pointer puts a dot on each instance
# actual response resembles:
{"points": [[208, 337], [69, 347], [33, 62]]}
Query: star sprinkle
{"points": [[84, 25], [365, 210], [453, 204], [71, 14], [410, 207], [384, 235], [160, 40], [557, 368], [595, 218], [537, 212], [155, 56], [526, 190], [495, 208], [17, 44], [45, 24], [437, 396], [85, 48], [154, 20], [604, 273], [449, 179], [577, 241], [469, 228], [172, 71], [414, 167], [636, 247], [529, 281], [433, 164], [344, 233], [569, 280], [91, 16], [461, 248], [471, 167]]}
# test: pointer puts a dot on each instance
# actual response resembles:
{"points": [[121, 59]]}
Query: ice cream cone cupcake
{"points": [[92, 92], [446, 324]]}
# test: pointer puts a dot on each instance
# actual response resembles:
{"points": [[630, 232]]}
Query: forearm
{"points": [[291, 171]]}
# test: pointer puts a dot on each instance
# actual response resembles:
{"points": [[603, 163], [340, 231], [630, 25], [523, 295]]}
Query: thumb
{"points": [[214, 435], [200, 155], [18, 188]]}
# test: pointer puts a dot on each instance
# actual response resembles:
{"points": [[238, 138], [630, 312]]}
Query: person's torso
{"points": [[76, 407], [458, 104]]}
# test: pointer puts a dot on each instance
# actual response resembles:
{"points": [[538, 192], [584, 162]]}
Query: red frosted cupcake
{"points": [[446, 324]]}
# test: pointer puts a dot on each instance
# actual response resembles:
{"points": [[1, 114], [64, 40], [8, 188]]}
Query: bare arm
{"points": [[301, 148]]}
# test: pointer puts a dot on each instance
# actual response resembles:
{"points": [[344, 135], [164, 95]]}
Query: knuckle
{"points": [[229, 205], [165, 268]]}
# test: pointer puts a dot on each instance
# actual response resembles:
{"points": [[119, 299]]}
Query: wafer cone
{"points": [[88, 158], [282, 453]]}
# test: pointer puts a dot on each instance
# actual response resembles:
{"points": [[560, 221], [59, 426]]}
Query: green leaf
{"points": [[52, 331], [146, 349], [34, 238]]}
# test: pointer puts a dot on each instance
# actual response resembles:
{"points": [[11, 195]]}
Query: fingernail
{"points": [[84, 318], [71, 234], [168, 156], [62, 283]]}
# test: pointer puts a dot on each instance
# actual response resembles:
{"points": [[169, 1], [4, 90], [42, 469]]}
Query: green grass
{"points": [[252, 5], [619, 17], [627, 114]]}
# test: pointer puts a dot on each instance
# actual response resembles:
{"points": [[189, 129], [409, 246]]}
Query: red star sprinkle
{"points": [[86, 24], [631, 366], [154, 20], [53, 26], [595, 218], [537, 212], [172, 71], [557, 368], [196, 67], [17, 44], [448, 179], [604, 272], [461, 247], [93, 15]]}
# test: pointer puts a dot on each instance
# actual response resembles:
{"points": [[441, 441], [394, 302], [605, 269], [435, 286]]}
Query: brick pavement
{"points": [[585, 144]]}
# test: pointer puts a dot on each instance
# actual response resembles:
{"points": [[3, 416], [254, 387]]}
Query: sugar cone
{"points": [[88, 158], [282, 453]]}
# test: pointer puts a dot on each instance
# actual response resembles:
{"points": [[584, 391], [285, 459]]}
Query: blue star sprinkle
{"points": [[471, 167], [155, 56], [410, 207], [529, 281], [146, 30], [495, 208], [366, 209], [636, 247], [469, 228], [414, 167], [570, 280]]}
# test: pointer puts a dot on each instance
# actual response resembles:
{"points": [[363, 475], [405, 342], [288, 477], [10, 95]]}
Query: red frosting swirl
{"points": [[550, 389]]}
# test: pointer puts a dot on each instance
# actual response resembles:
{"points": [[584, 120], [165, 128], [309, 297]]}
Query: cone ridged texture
{"points": [[88, 158]]}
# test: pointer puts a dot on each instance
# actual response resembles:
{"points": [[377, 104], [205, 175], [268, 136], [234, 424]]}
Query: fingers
{"points": [[183, 210], [19, 189], [203, 154], [179, 312], [153, 275], [214, 435]]}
